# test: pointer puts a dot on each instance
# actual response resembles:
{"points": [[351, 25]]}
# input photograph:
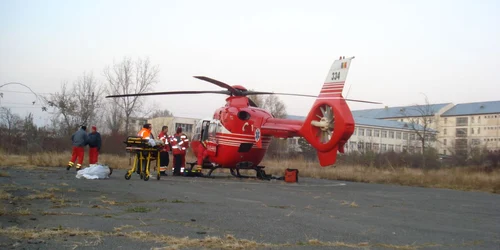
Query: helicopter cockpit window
{"points": [[212, 130]]}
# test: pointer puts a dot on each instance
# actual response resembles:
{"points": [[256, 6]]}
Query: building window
{"points": [[472, 131], [186, 128], [376, 133], [444, 132], [368, 146], [361, 132], [462, 121], [478, 130], [368, 132], [391, 134], [461, 132], [472, 119], [444, 142], [445, 120], [391, 147], [405, 136], [476, 142], [384, 133], [376, 147], [398, 135], [412, 137], [384, 148], [360, 146]]}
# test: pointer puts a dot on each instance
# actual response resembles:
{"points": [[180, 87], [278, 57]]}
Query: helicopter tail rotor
{"points": [[330, 124]]}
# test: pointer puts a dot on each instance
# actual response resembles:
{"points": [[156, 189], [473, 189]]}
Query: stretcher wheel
{"points": [[142, 175], [127, 176], [158, 176], [146, 177]]}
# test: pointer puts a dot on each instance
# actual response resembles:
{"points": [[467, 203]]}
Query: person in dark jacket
{"points": [[94, 145], [80, 140]]}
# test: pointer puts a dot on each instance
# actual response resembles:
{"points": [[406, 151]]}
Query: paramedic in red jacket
{"points": [[94, 145], [164, 157], [179, 144]]}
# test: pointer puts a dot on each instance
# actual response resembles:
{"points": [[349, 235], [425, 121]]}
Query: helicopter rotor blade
{"points": [[303, 95], [353, 100], [218, 83], [224, 92]]}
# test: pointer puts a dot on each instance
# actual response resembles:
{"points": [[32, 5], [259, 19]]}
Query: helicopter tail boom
{"points": [[329, 123]]}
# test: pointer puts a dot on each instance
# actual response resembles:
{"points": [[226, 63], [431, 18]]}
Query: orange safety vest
{"points": [[179, 143], [145, 133]]}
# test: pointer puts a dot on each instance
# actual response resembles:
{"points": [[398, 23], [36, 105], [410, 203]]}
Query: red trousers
{"points": [[78, 153], [93, 155]]}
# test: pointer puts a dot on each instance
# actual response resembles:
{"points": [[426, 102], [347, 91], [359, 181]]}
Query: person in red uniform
{"points": [[179, 144], [80, 140], [164, 157], [94, 145], [202, 155]]}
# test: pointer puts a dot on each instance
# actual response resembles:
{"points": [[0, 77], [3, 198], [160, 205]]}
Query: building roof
{"points": [[363, 121], [395, 112], [386, 123], [474, 108]]}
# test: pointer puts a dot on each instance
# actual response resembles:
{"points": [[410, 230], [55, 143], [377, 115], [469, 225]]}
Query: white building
{"points": [[187, 124], [385, 135], [460, 127]]}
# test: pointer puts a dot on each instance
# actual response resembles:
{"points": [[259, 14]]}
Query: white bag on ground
{"points": [[94, 171]]}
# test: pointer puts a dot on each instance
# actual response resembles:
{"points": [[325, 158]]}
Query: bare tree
{"points": [[12, 124], [257, 99], [277, 108], [114, 117], [274, 105], [76, 104], [161, 113], [88, 93], [9, 120], [419, 119], [128, 77], [65, 109]]}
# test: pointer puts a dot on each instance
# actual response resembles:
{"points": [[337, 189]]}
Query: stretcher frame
{"points": [[138, 147]]}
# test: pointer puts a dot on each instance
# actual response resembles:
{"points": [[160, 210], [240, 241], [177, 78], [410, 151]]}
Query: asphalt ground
{"points": [[48, 208]]}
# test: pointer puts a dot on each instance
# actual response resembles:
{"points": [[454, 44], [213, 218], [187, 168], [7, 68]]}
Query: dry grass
{"points": [[469, 179], [41, 196], [60, 213], [227, 242], [4, 195]]}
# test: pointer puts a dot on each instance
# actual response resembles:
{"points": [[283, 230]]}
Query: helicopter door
{"points": [[212, 139], [204, 130]]}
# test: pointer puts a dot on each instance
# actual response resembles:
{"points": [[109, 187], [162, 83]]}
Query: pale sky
{"points": [[448, 50]]}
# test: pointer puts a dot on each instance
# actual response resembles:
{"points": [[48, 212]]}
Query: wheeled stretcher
{"points": [[145, 151]]}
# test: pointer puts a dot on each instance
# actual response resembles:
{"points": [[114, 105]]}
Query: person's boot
{"points": [[78, 167], [70, 164]]}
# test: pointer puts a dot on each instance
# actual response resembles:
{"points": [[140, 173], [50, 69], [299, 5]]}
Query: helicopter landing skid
{"points": [[260, 173]]}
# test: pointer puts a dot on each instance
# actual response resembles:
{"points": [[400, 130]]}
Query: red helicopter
{"points": [[238, 134]]}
